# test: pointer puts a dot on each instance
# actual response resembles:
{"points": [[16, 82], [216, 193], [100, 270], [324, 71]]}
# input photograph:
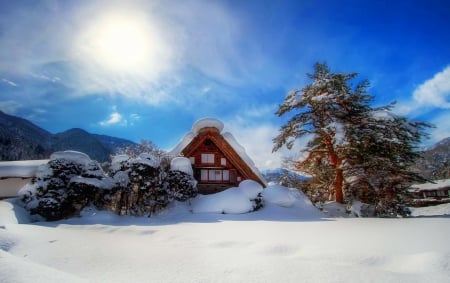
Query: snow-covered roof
{"points": [[439, 184], [212, 122], [20, 169], [205, 123], [71, 155]]}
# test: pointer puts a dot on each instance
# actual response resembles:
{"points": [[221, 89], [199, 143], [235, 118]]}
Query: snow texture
{"points": [[207, 122], [182, 164], [234, 200], [439, 184], [73, 156], [147, 159], [383, 115], [105, 183], [281, 196]]}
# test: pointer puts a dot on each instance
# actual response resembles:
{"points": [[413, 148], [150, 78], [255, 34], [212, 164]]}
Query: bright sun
{"points": [[123, 42]]}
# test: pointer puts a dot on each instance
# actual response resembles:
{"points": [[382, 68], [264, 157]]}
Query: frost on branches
{"points": [[354, 151], [134, 186]]}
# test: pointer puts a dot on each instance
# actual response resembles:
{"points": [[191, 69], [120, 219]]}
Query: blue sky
{"points": [[150, 69]]}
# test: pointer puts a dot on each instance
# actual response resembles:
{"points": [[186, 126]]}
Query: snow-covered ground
{"points": [[288, 240]]}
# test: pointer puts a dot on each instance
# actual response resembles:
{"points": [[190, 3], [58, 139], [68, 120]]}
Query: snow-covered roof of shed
{"points": [[20, 169], [440, 184]]}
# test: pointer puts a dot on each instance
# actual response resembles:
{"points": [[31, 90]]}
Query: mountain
{"points": [[435, 161], [80, 140], [113, 143], [21, 140], [279, 175]]}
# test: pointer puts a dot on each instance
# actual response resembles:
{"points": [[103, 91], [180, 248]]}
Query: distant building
{"points": [[16, 174], [218, 161], [438, 190]]}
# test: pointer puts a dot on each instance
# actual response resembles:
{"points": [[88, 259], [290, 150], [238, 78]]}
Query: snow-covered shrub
{"points": [[137, 183], [143, 187], [63, 186], [180, 185]]}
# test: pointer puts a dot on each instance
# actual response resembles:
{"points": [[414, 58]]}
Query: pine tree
{"points": [[349, 141]]}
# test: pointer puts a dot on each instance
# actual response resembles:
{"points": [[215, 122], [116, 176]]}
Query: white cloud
{"points": [[433, 93], [257, 141], [114, 119], [436, 91]]}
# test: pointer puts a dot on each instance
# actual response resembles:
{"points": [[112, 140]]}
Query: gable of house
{"points": [[218, 161]]}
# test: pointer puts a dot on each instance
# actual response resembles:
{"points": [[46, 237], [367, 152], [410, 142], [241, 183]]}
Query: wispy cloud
{"points": [[11, 83], [114, 118], [200, 35], [9, 106]]}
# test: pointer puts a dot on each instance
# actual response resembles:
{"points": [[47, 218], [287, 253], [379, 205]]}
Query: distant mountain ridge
{"points": [[22, 140], [435, 161]]}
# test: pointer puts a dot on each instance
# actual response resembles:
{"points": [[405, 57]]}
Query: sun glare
{"points": [[123, 42]]}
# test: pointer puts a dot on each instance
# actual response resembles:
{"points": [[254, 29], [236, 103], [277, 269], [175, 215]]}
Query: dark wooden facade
{"points": [[215, 163]]}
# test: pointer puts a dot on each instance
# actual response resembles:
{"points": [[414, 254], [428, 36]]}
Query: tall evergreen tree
{"points": [[350, 142]]}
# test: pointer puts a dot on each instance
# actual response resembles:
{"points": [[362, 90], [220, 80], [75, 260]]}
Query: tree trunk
{"points": [[336, 163], [338, 181]]}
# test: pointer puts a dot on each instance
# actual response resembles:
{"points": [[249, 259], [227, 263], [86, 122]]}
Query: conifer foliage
{"points": [[353, 149]]}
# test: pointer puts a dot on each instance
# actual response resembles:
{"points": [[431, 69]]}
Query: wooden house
{"points": [[439, 189], [217, 160]]}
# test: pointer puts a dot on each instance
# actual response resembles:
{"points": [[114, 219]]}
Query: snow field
{"points": [[227, 250], [273, 244]]}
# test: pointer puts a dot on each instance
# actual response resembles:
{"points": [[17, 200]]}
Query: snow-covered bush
{"points": [[63, 186], [142, 187], [181, 186]]}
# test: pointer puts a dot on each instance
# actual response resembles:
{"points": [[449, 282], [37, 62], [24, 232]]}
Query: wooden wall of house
{"points": [[220, 162], [211, 148]]}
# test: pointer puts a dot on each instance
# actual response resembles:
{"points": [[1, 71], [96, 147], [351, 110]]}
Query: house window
{"points": [[192, 159], [204, 175], [223, 161], [208, 158], [226, 175], [215, 175]]}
